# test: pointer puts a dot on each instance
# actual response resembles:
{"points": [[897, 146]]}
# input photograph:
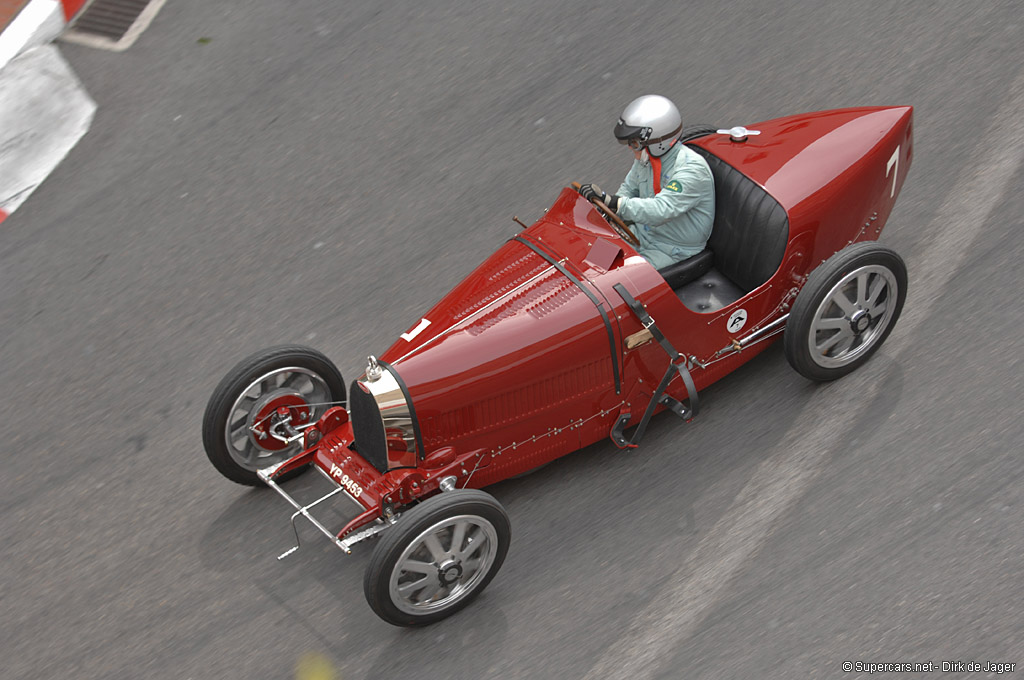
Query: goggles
{"points": [[634, 143], [632, 136], [637, 138]]}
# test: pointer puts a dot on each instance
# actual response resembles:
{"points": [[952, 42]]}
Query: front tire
{"points": [[845, 311], [439, 556], [241, 410]]}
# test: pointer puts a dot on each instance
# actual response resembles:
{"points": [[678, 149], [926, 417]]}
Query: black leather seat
{"points": [[751, 228], [747, 244]]}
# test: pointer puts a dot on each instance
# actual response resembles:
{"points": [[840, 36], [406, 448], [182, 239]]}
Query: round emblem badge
{"points": [[737, 320]]}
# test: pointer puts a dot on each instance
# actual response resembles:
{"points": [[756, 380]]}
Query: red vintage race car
{"points": [[566, 336]]}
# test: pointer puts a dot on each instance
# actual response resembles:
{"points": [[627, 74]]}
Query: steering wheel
{"points": [[620, 227]]}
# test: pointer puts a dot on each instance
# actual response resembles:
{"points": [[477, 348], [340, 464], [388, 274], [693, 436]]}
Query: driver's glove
{"points": [[592, 192]]}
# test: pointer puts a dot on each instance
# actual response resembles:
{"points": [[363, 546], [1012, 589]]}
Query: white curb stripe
{"points": [[43, 113], [38, 22]]}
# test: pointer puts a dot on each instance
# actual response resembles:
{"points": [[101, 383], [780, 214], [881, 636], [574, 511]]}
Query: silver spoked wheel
{"points": [[853, 316], [253, 418], [443, 564], [256, 414], [440, 554], [845, 311]]}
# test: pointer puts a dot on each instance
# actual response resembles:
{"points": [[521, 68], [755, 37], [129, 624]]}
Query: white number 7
{"points": [[894, 162]]}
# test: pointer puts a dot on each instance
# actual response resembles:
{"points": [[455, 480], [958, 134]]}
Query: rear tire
{"points": [[845, 311], [439, 556]]}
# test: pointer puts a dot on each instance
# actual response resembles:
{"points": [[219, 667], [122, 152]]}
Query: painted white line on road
{"points": [[779, 482]]}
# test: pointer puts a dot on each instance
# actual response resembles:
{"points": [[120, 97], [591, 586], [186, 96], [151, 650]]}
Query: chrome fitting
{"points": [[739, 133], [373, 369]]}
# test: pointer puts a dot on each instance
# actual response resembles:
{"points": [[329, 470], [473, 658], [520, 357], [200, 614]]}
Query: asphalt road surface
{"points": [[260, 173]]}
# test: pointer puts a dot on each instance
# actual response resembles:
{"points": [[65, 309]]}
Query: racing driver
{"points": [[669, 192]]}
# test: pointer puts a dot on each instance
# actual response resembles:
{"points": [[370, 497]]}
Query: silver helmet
{"points": [[651, 121]]}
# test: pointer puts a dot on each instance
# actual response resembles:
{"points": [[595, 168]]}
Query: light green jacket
{"points": [[675, 224]]}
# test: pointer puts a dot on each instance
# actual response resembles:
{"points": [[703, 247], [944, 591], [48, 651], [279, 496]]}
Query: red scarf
{"points": [[656, 170]]}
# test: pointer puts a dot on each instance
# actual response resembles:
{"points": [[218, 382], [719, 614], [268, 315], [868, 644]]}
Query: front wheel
{"points": [[262, 403], [437, 558], [845, 311]]}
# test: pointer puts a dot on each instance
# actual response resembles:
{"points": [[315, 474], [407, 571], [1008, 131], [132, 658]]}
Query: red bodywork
{"points": [[517, 365]]}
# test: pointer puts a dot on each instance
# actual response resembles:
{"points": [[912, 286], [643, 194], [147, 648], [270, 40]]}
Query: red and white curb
{"points": [[44, 110], [38, 22]]}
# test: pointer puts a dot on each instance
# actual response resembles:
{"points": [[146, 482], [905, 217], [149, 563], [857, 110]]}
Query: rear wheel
{"points": [[845, 311], [266, 396], [437, 558]]}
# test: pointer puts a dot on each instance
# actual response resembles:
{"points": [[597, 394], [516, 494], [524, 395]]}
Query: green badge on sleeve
{"points": [[674, 186]]}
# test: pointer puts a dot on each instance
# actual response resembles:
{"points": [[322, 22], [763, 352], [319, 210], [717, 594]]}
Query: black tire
{"points": [[324, 383], [845, 311], [452, 582]]}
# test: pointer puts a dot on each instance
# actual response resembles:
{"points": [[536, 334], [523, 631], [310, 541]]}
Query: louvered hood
{"points": [[516, 339]]}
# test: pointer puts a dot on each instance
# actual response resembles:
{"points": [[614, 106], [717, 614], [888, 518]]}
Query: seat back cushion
{"points": [[751, 228]]}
